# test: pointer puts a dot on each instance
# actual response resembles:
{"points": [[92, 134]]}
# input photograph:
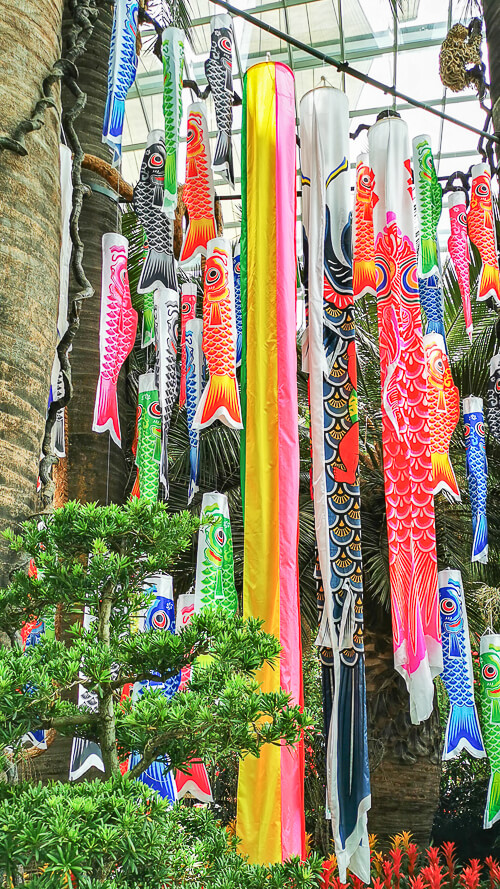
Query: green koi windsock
{"points": [[490, 709], [149, 440], [173, 64], [214, 586]]}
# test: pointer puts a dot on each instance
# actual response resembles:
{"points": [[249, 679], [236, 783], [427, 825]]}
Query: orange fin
{"points": [[489, 284], [198, 233], [444, 477], [364, 278], [220, 401]]}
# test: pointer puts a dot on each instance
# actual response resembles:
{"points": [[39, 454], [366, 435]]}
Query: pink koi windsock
{"points": [[188, 312], [458, 248]]}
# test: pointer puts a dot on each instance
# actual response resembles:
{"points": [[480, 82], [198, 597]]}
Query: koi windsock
{"points": [[166, 307], [429, 201], [199, 194], [172, 49], [270, 814], [406, 442], [481, 228], [194, 381], [476, 465], [122, 68], [363, 256], [188, 311], [458, 248], [489, 660], [326, 203]]}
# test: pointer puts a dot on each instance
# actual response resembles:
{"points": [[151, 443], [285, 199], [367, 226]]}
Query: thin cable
{"points": [[352, 72], [107, 471]]}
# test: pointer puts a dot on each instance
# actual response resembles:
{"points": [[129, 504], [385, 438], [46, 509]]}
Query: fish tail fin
{"points": [[182, 391], [364, 278], [106, 410], [463, 733], [480, 544], [220, 401], [224, 155], [489, 283], [116, 116], [136, 491], [436, 327], [59, 443], [158, 267], [198, 233], [148, 326], [428, 255], [194, 460], [444, 477], [469, 333], [164, 470], [492, 810], [195, 781]]}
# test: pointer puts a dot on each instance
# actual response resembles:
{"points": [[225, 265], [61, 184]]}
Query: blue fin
{"points": [[117, 115], [463, 732], [436, 327], [480, 544]]}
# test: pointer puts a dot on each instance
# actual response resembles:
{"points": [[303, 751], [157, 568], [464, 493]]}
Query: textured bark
{"points": [[405, 759], [491, 14], [29, 252]]}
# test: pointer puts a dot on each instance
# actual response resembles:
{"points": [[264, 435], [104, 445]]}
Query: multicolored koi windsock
{"points": [[149, 439], [270, 815], [489, 658], [31, 634], [214, 586], [199, 194], [121, 73], [160, 615], [194, 385], [444, 413], [219, 73], [429, 202], [481, 228], [159, 265], [188, 311], [172, 49], [431, 299], [118, 328], [493, 398], [458, 248], [85, 754], [237, 300], [364, 273], [221, 398], [405, 422], [462, 730], [477, 475], [326, 203], [166, 320]]}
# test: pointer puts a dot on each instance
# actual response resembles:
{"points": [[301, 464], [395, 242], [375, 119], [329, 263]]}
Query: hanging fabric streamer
{"points": [[237, 300], [219, 73], [160, 615], [194, 384], [270, 815], [405, 422], [117, 331], [326, 203], [220, 399], [31, 634], [489, 658], [166, 307], [188, 311], [159, 265], [444, 413], [462, 729], [121, 73], [149, 438], [481, 228], [493, 398], [458, 248], [214, 586], [199, 194], [363, 258], [172, 48], [477, 475], [85, 754]]}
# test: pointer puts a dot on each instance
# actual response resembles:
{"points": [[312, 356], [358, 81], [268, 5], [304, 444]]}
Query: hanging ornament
{"points": [[220, 399], [172, 48], [405, 422], [166, 305], [458, 248], [489, 658], [462, 729], [188, 311], [149, 439], [219, 73], [444, 413], [477, 475], [214, 586], [194, 384], [121, 73], [363, 259], [159, 265], [198, 195], [481, 228], [117, 332]]}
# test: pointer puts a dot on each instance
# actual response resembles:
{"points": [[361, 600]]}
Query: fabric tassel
{"points": [[444, 413], [149, 438], [405, 422], [199, 194], [188, 311], [489, 659], [458, 248], [481, 229], [324, 136], [219, 73], [214, 587], [221, 398], [477, 475], [172, 48], [462, 730], [121, 73], [166, 306], [270, 813], [194, 374], [117, 331]]}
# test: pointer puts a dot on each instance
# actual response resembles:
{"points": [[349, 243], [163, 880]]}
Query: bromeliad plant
{"points": [[98, 559]]}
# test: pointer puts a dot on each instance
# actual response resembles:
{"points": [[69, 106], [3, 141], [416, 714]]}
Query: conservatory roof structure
{"points": [[400, 50]]}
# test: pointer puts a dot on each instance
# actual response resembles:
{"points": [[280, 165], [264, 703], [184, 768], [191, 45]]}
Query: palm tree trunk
{"points": [[29, 251], [491, 14]]}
